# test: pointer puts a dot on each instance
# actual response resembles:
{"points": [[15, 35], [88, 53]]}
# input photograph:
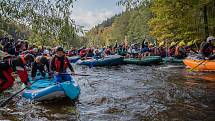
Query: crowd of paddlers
{"points": [[17, 56]]}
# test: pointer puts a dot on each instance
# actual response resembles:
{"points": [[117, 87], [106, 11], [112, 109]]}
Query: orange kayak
{"points": [[206, 66]]}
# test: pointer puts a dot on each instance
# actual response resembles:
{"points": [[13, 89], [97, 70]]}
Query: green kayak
{"points": [[149, 60], [172, 60]]}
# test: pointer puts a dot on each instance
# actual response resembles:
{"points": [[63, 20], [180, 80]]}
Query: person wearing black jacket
{"points": [[39, 64]]}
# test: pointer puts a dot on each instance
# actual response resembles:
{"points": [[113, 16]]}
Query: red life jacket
{"points": [[5, 84], [171, 51], [58, 64], [83, 53], [187, 49]]}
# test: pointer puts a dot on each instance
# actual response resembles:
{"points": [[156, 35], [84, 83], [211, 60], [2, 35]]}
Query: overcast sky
{"points": [[89, 13]]}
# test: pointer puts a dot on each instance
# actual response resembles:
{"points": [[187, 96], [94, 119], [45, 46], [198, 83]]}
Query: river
{"points": [[127, 93]]}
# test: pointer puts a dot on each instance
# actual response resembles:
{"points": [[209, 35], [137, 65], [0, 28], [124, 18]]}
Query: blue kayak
{"points": [[74, 59], [110, 60], [45, 89]]}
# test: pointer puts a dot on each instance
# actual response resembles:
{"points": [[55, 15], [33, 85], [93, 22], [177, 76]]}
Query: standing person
{"points": [[207, 48], [8, 67], [59, 65]]}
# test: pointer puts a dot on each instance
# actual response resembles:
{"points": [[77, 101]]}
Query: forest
{"points": [[49, 23], [157, 21]]}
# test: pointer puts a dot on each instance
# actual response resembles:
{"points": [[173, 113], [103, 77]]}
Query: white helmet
{"points": [[211, 38], [46, 52], [35, 50]]}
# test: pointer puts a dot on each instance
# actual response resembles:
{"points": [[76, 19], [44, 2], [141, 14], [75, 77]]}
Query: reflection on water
{"points": [[128, 92]]}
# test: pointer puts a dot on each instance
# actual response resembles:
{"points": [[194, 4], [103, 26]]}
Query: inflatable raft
{"points": [[172, 60], [110, 60], [74, 59], [149, 60], [200, 65], [44, 89]]}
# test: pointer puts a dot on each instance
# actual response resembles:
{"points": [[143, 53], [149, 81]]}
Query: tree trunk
{"points": [[206, 21]]}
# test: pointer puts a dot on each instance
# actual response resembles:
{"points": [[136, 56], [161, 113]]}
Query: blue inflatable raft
{"points": [[45, 89], [74, 59], [110, 60]]}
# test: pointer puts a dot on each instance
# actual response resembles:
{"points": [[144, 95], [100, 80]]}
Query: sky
{"points": [[89, 13]]}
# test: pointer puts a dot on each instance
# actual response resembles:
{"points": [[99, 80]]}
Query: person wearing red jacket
{"points": [[83, 52], [59, 65], [10, 66]]}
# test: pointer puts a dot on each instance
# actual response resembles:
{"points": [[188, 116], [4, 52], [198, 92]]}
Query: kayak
{"points": [[111, 60], [208, 65], [149, 60], [74, 59], [44, 89], [172, 60]]}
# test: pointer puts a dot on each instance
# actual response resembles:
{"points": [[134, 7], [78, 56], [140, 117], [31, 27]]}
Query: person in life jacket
{"points": [[180, 52], [39, 64], [97, 54], [207, 48], [14, 65], [72, 52], [145, 49], [171, 50], [83, 52], [90, 53], [190, 48], [108, 51], [59, 65], [161, 51]]}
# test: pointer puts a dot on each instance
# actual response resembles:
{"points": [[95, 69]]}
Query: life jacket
{"points": [[83, 53], [161, 52], [171, 51], [208, 50], [108, 51], [58, 64], [180, 52], [187, 49], [8, 79]]}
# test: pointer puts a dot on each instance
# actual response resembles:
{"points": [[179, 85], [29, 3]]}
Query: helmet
{"points": [[146, 43], [161, 44], [182, 43], [46, 52], [173, 44], [35, 50], [59, 49], [40, 47], [41, 59], [190, 43], [29, 58], [211, 38]]}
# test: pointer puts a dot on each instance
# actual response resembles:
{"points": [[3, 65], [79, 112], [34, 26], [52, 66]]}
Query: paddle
{"points": [[75, 74], [197, 66], [3, 103]]}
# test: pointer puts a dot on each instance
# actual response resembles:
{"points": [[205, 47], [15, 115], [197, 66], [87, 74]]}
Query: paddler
{"points": [[59, 65], [39, 64], [180, 52], [191, 47], [171, 50], [161, 50], [207, 48], [15, 65]]}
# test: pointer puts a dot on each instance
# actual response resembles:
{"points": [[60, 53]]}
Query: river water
{"points": [[128, 93]]}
